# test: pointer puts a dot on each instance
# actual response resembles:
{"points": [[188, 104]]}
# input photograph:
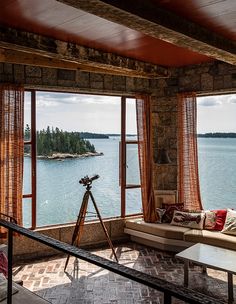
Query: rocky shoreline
{"points": [[62, 156]]}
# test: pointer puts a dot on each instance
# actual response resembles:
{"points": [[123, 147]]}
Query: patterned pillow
{"points": [[230, 223], [188, 219], [170, 208], [160, 212], [215, 219]]}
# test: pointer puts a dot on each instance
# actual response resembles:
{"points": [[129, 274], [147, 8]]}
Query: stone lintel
{"points": [[89, 59]]}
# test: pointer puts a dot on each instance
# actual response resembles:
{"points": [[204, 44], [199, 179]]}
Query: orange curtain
{"points": [[11, 151], [188, 179], [144, 128]]}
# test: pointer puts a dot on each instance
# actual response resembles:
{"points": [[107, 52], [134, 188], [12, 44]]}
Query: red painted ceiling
{"points": [[54, 19]]}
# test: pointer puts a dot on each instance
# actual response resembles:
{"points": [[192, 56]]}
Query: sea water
{"points": [[217, 171], [59, 194]]}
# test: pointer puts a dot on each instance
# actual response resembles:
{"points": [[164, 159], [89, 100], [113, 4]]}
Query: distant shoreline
{"points": [[217, 135], [62, 156]]}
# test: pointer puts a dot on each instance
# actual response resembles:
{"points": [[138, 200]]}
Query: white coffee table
{"points": [[212, 257]]}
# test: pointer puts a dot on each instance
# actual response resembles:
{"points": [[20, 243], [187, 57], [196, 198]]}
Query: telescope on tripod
{"points": [[86, 181]]}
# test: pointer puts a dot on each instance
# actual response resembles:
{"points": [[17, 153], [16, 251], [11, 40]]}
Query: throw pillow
{"points": [[230, 223], [170, 208], [160, 212], [188, 219], [210, 220], [215, 219]]}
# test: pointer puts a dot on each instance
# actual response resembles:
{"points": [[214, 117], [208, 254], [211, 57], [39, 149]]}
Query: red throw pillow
{"points": [[220, 219], [170, 208], [3, 264], [217, 222]]}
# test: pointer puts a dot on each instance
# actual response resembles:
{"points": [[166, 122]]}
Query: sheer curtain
{"points": [[188, 178], [11, 151], [144, 128]]}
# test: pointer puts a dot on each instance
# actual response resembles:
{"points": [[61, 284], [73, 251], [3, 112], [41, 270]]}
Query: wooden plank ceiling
{"points": [[217, 15], [63, 22]]}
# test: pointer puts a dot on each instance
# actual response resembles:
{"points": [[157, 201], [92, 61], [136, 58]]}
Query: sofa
{"points": [[175, 238]]}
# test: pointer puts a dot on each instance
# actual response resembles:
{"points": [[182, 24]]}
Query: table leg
{"points": [[204, 269], [230, 288], [186, 266]]}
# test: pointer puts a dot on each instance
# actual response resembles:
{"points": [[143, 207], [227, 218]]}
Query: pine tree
{"points": [[27, 133], [52, 140]]}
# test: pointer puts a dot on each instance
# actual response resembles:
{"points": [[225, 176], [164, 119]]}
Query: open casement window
{"points": [[131, 201], [29, 180]]}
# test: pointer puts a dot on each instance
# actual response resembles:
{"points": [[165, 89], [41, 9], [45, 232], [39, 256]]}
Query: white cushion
{"points": [[230, 223]]}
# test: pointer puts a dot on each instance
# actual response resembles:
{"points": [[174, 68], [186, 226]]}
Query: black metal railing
{"points": [[169, 290]]}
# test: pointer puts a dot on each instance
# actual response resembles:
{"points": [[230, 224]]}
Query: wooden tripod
{"points": [[80, 222]]}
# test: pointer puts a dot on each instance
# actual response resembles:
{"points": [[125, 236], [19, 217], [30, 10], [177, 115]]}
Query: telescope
{"points": [[85, 181]]}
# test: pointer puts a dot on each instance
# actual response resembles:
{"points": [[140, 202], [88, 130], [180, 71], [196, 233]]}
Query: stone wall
{"points": [[93, 234], [71, 80]]}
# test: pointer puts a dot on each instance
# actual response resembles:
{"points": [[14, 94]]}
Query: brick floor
{"points": [[86, 283]]}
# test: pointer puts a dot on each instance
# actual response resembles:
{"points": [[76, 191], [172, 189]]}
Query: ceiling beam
{"points": [[148, 18], [57, 53], [18, 57]]}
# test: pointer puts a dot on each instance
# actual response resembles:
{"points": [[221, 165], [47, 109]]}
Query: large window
{"points": [[217, 150], [52, 193]]}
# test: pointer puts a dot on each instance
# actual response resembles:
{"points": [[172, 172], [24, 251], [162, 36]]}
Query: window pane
{"points": [[59, 194], [131, 122], [132, 165], [216, 129], [133, 201], [27, 189], [27, 116], [27, 207]]}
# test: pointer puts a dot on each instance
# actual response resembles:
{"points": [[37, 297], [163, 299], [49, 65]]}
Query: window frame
{"points": [[33, 144], [123, 159]]}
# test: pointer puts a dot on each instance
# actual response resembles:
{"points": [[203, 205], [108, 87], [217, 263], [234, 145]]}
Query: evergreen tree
{"points": [[27, 136], [27, 133], [52, 140]]}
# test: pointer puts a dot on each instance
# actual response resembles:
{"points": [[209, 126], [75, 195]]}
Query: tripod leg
{"points": [[79, 224], [103, 226]]}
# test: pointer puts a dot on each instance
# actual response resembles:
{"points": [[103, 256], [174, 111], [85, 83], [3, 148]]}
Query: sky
{"points": [[216, 113], [83, 113], [101, 114]]}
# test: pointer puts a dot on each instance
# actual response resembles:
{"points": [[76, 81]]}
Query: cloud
{"points": [[232, 99], [210, 101], [45, 99]]}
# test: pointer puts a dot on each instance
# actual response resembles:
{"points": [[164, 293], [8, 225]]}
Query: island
{"points": [[54, 143], [88, 135]]}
